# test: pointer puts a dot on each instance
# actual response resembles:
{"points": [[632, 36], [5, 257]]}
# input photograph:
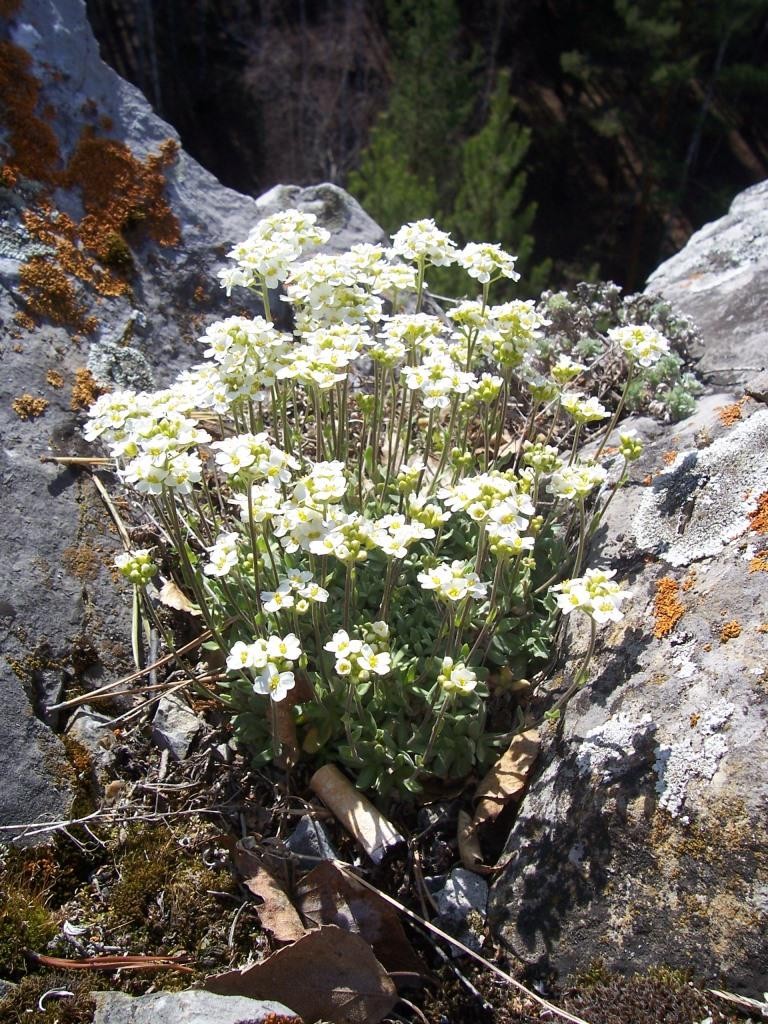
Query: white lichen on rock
{"points": [[614, 747], [695, 757], [703, 501]]}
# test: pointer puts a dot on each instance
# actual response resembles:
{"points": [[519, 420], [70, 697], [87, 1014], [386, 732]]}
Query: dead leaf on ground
{"points": [[277, 914], [329, 974], [327, 896], [507, 779], [469, 846], [172, 596]]}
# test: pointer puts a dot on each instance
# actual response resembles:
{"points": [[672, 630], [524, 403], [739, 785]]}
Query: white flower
{"points": [[288, 647], [368, 661], [484, 261], [223, 555], [423, 240], [341, 645], [641, 344], [595, 594], [453, 582], [583, 410], [277, 600], [578, 480], [243, 656], [274, 683], [456, 678]]}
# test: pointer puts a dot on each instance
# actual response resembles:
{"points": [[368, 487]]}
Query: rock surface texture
{"points": [[720, 280], [110, 238], [191, 1007], [641, 841]]}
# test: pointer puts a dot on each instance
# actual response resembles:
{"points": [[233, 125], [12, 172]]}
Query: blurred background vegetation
{"points": [[590, 137]]}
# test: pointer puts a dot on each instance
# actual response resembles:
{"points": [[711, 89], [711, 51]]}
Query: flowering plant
{"points": [[374, 512]]}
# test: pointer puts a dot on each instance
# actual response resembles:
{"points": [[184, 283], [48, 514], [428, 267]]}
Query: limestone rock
{"points": [[175, 726], [642, 838], [131, 313], [191, 1007], [720, 280], [335, 209]]}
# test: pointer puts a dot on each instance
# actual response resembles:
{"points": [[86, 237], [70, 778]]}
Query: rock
{"points": [[462, 906], [335, 209], [757, 387], [641, 840], [720, 280], [311, 843], [67, 619], [191, 1007], [175, 726], [94, 732]]}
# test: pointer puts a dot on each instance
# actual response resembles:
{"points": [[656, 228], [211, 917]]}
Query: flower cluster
{"points": [[268, 662], [324, 479], [137, 566], [641, 344], [359, 660], [595, 593]]}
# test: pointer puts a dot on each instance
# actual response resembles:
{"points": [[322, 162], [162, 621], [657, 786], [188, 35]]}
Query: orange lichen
{"points": [[730, 414], [118, 191], [8, 176], [24, 321], [759, 563], [669, 457], [730, 631], [54, 378], [85, 390], [667, 609], [50, 293], [758, 520], [763, 628], [27, 407], [33, 144], [689, 580], [695, 718]]}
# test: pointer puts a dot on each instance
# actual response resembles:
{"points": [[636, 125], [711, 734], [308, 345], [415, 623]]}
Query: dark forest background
{"points": [[590, 137]]}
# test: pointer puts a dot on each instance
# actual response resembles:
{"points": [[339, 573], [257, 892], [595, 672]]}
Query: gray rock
{"points": [[175, 726], [757, 387], [641, 840], [720, 280], [462, 907], [311, 843], [191, 1007], [335, 209], [66, 617], [93, 731]]}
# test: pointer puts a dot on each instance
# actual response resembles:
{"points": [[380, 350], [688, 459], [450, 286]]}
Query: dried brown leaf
{"points": [[469, 846], [326, 896], [507, 779], [277, 914], [172, 596], [329, 975]]}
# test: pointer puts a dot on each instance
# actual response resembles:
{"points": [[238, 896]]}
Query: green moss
{"points": [[20, 1006], [117, 253], [26, 922], [659, 996]]}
